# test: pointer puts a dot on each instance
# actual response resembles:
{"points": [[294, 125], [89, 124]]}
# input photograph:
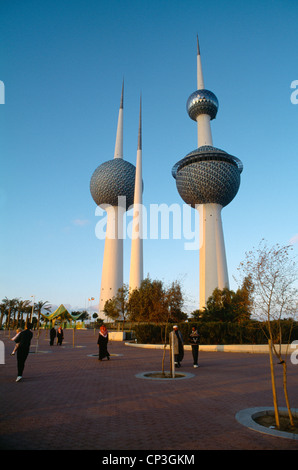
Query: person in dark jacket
{"points": [[194, 340], [103, 339], [24, 341], [52, 336]]}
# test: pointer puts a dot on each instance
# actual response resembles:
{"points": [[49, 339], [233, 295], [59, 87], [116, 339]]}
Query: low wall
{"points": [[117, 335], [244, 348]]}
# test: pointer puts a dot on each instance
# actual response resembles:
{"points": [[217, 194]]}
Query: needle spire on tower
{"points": [[119, 136], [140, 127], [200, 79]]}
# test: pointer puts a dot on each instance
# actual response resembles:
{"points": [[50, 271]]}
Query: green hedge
{"points": [[217, 332], [150, 333]]}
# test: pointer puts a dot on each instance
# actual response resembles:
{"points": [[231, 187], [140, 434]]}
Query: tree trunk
{"points": [[284, 365]]}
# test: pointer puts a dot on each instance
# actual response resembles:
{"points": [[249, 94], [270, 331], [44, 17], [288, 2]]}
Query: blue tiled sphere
{"points": [[208, 175], [112, 179], [202, 102]]}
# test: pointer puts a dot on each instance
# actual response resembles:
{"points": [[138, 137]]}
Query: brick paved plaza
{"points": [[69, 400]]}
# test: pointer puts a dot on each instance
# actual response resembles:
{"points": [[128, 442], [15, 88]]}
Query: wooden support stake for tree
{"points": [[286, 392]]}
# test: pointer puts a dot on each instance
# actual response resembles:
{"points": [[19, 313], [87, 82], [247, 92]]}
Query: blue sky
{"points": [[62, 64]]}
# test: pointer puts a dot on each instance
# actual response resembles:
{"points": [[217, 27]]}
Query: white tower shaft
{"points": [[112, 267], [213, 263], [136, 261]]}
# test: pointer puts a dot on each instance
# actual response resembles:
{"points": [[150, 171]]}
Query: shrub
{"points": [[252, 332]]}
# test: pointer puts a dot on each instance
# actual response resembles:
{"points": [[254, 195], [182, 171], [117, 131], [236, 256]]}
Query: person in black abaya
{"points": [[103, 339], [52, 336]]}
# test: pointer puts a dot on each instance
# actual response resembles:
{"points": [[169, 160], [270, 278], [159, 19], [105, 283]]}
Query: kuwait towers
{"points": [[112, 187], [208, 179]]}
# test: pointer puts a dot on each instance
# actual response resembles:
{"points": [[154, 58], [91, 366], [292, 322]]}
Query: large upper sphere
{"points": [[112, 179], [202, 102], [208, 175]]}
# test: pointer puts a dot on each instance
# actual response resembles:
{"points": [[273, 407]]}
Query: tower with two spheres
{"points": [[208, 179]]}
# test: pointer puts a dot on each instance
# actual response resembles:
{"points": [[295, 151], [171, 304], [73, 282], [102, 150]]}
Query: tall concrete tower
{"points": [[208, 179], [136, 260], [112, 188]]}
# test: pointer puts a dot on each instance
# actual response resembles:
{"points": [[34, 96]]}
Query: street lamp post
{"points": [[31, 317]]}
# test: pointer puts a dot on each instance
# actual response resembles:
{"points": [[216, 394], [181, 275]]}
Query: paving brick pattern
{"points": [[69, 400]]}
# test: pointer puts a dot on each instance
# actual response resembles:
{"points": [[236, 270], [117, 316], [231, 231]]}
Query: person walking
{"points": [[194, 340], [103, 339], [24, 341], [60, 336], [178, 346], [52, 335]]}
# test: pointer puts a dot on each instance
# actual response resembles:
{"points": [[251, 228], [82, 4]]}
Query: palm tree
{"points": [[27, 311], [38, 307], [3, 312], [21, 307], [10, 306]]}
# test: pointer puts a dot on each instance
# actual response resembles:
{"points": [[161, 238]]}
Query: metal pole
{"points": [[31, 317], [172, 354]]}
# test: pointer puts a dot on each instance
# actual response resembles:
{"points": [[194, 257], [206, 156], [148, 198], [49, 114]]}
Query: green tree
{"points": [[219, 306], [147, 302], [10, 307], [3, 312], [243, 301], [21, 307], [175, 301], [117, 308], [154, 302], [225, 305]]}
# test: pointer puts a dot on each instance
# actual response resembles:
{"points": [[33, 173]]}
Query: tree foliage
{"points": [[273, 273], [151, 302], [225, 305], [117, 307], [155, 302]]}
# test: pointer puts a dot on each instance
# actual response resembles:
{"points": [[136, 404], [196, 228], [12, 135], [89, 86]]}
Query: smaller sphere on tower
{"points": [[202, 102]]}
